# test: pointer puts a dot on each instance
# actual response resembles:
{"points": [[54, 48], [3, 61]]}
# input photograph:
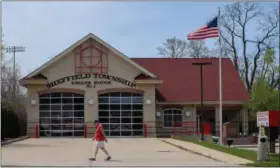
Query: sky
{"points": [[134, 28]]}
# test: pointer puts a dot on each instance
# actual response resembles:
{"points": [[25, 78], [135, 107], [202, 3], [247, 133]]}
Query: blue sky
{"points": [[134, 28]]}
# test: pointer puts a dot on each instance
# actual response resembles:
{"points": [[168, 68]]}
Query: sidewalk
{"points": [[210, 153], [251, 146]]}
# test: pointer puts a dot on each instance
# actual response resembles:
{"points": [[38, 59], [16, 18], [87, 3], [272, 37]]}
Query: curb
{"points": [[201, 154], [192, 151], [14, 140]]}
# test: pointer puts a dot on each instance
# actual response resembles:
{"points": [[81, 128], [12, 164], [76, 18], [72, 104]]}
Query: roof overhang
{"points": [[149, 81], [69, 49], [31, 81]]}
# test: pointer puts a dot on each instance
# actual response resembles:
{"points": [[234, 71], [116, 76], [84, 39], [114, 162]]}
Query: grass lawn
{"points": [[273, 161]]}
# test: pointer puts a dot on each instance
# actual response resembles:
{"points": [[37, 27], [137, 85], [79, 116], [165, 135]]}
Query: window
{"points": [[172, 118]]}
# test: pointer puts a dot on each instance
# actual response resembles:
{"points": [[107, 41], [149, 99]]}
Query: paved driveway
{"points": [[75, 152]]}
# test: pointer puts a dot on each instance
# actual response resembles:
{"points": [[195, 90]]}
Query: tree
{"points": [[263, 98], [9, 115], [235, 27], [173, 47], [177, 48], [269, 69], [10, 123], [198, 49]]}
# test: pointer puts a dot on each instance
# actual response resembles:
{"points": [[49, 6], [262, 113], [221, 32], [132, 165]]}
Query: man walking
{"points": [[99, 139]]}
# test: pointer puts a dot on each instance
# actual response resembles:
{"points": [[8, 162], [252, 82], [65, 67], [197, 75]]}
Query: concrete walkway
{"points": [[252, 146], [213, 154], [75, 152]]}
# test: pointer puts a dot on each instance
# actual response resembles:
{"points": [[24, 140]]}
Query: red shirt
{"points": [[98, 133]]}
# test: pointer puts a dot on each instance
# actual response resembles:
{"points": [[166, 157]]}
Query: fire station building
{"points": [[132, 97]]}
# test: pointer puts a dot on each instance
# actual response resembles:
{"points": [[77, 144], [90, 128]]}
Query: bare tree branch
{"points": [[173, 47], [235, 25], [198, 49]]}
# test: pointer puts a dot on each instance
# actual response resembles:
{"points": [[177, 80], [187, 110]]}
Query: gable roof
{"points": [[181, 80], [69, 49]]}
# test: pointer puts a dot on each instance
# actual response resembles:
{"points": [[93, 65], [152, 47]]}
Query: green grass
{"points": [[246, 154], [273, 161]]}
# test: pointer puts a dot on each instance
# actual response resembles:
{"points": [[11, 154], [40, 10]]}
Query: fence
{"points": [[146, 129], [158, 129]]}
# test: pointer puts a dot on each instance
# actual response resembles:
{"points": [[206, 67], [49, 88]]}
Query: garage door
{"points": [[121, 113], [61, 114]]}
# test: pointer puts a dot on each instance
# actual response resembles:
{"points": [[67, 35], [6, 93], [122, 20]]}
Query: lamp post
{"points": [[14, 49], [201, 64]]}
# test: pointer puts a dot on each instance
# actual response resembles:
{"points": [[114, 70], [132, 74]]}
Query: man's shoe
{"points": [[108, 158], [92, 159]]}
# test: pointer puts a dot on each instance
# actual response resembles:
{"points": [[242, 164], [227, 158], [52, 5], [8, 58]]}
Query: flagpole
{"points": [[220, 83], [279, 73]]}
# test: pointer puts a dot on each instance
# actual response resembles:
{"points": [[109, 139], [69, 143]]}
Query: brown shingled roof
{"points": [[181, 80]]}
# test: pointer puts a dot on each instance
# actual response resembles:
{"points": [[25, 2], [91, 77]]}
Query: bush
{"points": [[263, 98], [10, 124]]}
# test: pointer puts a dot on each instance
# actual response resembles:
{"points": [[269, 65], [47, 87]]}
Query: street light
{"points": [[14, 49], [201, 64]]}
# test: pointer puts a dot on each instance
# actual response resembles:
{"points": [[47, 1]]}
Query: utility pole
{"points": [[201, 64], [14, 50]]}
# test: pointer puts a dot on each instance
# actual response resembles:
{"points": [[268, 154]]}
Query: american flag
{"points": [[209, 31]]}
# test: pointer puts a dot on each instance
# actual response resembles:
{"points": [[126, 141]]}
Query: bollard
{"points": [[145, 130], [262, 145]]}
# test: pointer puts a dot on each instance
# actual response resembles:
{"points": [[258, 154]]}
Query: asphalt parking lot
{"points": [[149, 152]]}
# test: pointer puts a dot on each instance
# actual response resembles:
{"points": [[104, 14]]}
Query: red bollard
{"points": [[85, 130], [37, 131], [207, 128], [145, 130]]}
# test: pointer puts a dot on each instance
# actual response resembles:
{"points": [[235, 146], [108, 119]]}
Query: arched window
{"points": [[173, 117]]}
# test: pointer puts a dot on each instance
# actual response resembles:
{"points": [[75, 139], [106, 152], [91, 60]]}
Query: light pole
{"points": [[201, 64], [14, 49]]}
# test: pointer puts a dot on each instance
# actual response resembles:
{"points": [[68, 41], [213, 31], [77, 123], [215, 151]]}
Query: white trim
{"points": [[69, 49]]}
